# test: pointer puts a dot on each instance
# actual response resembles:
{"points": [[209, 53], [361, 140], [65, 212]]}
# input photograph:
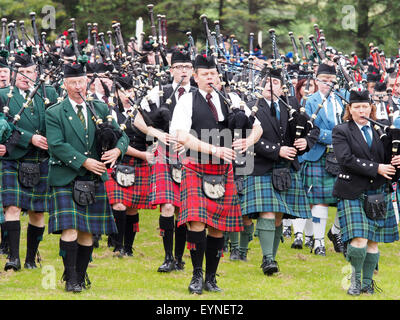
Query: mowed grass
{"points": [[303, 276]]}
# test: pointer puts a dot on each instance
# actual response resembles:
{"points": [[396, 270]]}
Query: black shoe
{"points": [[30, 265], [196, 284], [355, 286], [370, 289], [269, 266], [110, 242], [336, 240], [243, 256], [71, 286], [287, 232], [210, 283], [309, 241], [128, 252], [86, 284], [234, 254], [14, 264], [118, 252], [298, 242], [179, 264], [320, 251], [168, 264]]}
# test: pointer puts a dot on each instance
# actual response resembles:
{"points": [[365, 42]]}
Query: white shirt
{"points": [[337, 108], [22, 92], [154, 96], [84, 109], [360, 126], [182, 116]]}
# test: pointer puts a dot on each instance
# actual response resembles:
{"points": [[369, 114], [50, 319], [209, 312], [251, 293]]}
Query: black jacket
{"points": [[358, 163], [277, 134]]}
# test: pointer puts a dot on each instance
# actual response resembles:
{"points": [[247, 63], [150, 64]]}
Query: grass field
{"points": [[303, 276]]}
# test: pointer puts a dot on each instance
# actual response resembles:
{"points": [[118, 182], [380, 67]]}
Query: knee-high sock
{"points": [[320, 217], [234, 238], [356, 257], [197, 245], [34, 236], [214, 252], [68, 251], [245, 237], [167, 232], [180, 240], [308, 228], [370, 262], [287, 222], [120, 221], [14, 234], [83, 257], [131, 227], [266, 233], [3, 235], [298, 225], [336, 225], [277, 240]]}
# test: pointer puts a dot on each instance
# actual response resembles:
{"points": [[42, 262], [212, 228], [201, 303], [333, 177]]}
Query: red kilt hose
{"points": [[222, 214], [136, 196], [163, 188]]}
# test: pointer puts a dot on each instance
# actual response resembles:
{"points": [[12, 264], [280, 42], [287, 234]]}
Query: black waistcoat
{"points": [[203, 119]]}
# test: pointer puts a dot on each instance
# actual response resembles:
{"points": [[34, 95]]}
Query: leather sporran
{"points": [[84, 192], [213, 186], [124, 176], [375, 206], [331, 164], [239, 182], [281, 179], [29, 174], [176, 172]]}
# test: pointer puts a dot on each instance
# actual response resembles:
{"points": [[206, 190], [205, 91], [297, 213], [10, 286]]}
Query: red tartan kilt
{"points": [[163, 188], [136, 196], [222, 214]]}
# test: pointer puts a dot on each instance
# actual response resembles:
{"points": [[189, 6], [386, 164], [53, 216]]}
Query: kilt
{"points": [[317, 182], [2, 218], [136, 196], [355, 224], [222, 214], [163, 188], [14, 194], [260, 196], [65, 213]]}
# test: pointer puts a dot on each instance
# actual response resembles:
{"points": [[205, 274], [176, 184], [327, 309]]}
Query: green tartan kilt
{"points": [[65, 213], [14, 194], [355, 224], [317, 182], [260, 196]]}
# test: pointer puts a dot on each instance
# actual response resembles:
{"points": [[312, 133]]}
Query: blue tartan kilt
{"points": [[14, 194], [318, 183], [355, 224], [259, 196], [65, 213]]}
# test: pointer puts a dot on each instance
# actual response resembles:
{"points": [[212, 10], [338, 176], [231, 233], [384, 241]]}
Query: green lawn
{"points": [[302, 275]]}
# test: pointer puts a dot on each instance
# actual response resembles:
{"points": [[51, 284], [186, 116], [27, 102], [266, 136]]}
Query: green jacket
{"points": [[70, 145], [30, 123]]}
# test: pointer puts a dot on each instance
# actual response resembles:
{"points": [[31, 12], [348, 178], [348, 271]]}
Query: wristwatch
{"points": [[213, 150]]}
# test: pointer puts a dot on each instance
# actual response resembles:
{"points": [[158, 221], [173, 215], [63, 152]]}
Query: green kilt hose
{"points": [[14, 194], [65, 213], [259, 195], [355, 224], [318, 183], [163, 188], [222, 214], [136, 196]]}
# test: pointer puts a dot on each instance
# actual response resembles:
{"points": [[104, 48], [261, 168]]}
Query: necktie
{"points": [[367, 136], [181, 91], [80, 115], [331, 115], [277, 111], [27, 93], [212, 106], [105, 99]]}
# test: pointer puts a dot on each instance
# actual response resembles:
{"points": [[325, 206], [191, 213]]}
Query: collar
{"points": [[186, 87], [74, 104], [360, 125], [214, 95]]}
